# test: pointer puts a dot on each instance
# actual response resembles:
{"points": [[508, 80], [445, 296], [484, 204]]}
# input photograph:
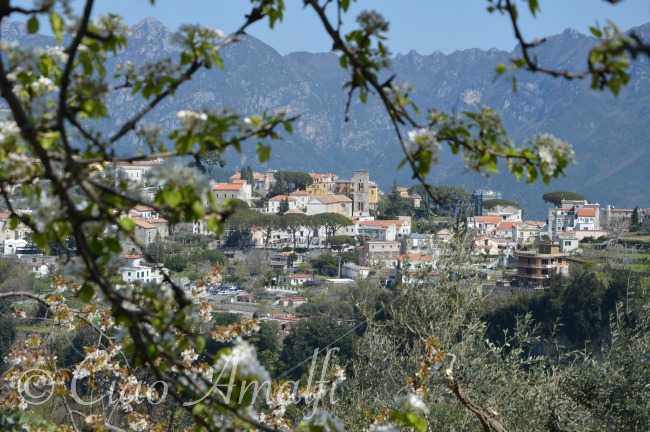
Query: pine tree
{"points": [[284, 206], [634, 219]]}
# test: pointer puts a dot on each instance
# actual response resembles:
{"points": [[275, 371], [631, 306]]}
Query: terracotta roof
{"points": [[587, 212], [157, 220], [321, 176], [239, 181], [332, 199], [142, 207], [488, 219], [282, 197], [142, 224], [227, 186], [507, 225], [299, 192], [131, 256], [535, 223], [301, 276], [382, 223]]}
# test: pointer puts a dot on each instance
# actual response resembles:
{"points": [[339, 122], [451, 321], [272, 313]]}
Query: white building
{"points": [[330, 204], [574, 215], [273, 204], [134, 271], [237, 189], [136, 172]]}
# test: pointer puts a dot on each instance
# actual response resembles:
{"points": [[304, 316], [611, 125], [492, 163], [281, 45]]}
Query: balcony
{"points": [[530, 265], [532, 276]]}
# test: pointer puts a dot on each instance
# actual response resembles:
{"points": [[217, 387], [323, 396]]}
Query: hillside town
{"points": [[315, 229]]}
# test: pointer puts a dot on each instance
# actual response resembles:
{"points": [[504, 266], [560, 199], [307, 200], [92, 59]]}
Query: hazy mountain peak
{"points": [[13, 29], [151, 29]]}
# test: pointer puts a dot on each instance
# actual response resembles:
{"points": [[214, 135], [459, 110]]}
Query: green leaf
{"points": [[198, 210], [86, 293], [32, 25], [501, 68], [409, 420], [172, 197], [127, 224], [200, 344], [596, 32], [263, 152], [57, 26]]}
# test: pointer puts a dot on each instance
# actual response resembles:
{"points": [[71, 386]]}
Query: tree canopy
{"points": [[296, 179], [556, 198], [491, 203]]}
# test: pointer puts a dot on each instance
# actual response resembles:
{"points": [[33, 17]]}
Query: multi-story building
{"points": [[381, 229], [512, 213], [535, 267], [273, 204], [379, 253], [526, 232], [330, 204], [238, 189], [302, 198], [136, 172], [481, 195], [483, 225], [134, 270], [611, 213], [574, 215], [361, 193], [412, 200], [259, 181], [324, 184]]}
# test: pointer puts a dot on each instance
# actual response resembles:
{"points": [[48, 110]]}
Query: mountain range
{"points": [[610, 134]]}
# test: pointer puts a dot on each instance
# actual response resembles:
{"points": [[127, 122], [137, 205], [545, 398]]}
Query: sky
{"points": [[421, 25]]}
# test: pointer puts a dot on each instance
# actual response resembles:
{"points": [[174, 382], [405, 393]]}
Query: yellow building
{"points": [[324, 184]]}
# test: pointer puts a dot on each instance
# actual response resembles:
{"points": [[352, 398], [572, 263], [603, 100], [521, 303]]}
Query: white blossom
{"points": [[137, 422], [425, 139], [551, 150], [412, 403], [9, 132], [189, 355], [324, 421], [243, 361], [192, 119]]}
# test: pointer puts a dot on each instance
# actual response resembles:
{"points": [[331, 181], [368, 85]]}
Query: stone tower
{"points": [[361, 193]]}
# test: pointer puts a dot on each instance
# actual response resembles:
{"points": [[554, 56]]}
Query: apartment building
{"points": [[534, 268]]}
